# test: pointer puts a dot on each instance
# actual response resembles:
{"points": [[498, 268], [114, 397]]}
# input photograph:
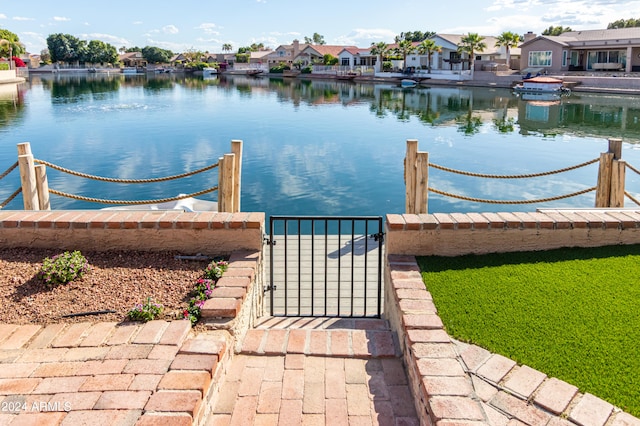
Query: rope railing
{"points": [[10, 199], [609, 190], [9, 170], [116, 180], [132, 202], [522, 176], [36, 191], [539, 200]]}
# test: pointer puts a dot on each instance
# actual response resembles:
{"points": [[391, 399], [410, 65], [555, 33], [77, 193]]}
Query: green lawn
{"points": [[573, 314]]}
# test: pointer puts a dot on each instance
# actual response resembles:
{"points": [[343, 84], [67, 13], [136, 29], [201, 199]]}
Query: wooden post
{"points": [[236, 149], [603, 188], [422, 182], [618, 170], [42, 186], [28, 177], [228, 166], [410, 175], [615, 148], [221, 198]]}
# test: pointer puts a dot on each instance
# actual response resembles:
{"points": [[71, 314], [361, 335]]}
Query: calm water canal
{"points": [[319, 147]]}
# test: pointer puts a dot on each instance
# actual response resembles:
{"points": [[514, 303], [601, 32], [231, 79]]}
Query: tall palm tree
{"points": [[227, 47], [427, 47], [470, 44], [404, 48], [508, 40], [380, 50]]}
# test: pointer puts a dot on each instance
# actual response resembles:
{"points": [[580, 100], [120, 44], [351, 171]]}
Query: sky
{"points": [[207, 25]]}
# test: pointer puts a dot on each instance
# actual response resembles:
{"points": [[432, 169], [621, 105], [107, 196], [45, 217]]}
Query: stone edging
{"points": [[456, 382]]}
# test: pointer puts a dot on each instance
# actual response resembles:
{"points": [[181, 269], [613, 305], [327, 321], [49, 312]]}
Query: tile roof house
{"points": [[133, 59], [314, 53], [589, 50], [285, 53]]}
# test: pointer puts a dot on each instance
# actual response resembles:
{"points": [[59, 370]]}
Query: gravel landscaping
{"points": [[116, 282]]}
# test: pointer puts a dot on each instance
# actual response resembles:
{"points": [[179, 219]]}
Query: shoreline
{"points": [[607, 84]]}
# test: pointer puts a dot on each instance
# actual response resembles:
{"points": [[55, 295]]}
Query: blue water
{"points": [[311, 148]]}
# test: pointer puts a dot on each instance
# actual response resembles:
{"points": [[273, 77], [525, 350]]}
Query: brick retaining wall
{"points": [[453, 234], [209, 233]]}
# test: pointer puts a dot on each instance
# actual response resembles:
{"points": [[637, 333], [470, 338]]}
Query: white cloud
{"points": [[22, 18], [3, 16], [208, 28], [107, 38], [61, 19], [170, 29], [364, 37], [137, 23]]}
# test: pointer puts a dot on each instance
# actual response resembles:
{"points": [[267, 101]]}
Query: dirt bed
{"points": [[116, 282]]}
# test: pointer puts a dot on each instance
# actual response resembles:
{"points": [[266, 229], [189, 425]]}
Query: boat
{"points": [[129, 70], [407, 83], [541, 85], [209, 71], [186, 204]]}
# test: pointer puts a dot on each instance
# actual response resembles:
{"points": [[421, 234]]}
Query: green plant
{"points": [[280, 68], [63, 268], [145, 312], [307, 69], [204, 289], [215, 269]]}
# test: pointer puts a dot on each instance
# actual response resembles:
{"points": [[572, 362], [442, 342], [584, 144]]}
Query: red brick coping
{"points": [[456, 383], [209, 233], [453, 234]]}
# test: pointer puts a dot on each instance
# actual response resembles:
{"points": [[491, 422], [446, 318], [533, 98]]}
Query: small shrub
{"points": [[146, 312], [215, 269], [204, 289], [63, 268], [280, 68]]}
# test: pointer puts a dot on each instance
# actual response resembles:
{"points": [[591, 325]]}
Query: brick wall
{"points": [[453, 234], [208, 233]]}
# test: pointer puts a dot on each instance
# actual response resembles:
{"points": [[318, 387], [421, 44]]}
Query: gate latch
{"points": [[269, 288], [379, 237], [269, 241]]}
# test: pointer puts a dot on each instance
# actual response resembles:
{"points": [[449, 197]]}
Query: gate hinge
{"points": [[379, 237], [267, 240]]}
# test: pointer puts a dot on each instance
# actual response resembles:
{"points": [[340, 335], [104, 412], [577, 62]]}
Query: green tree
{"points": [[66, 48], [379, 49], [243, 58], [404, 48], [257, 47], [624, 23], [99, 52], [315, 39], [428, 47], [192, 55], [508, 40], [329, 59], [415, 35], [45, 57], [11, 45], [156, 55], [133, 49], [556, 31], [226, 47], [470, 44]]}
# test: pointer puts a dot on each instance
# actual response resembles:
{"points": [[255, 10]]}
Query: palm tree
{"points": [[508, 40], [227, 47], [427, 47], [404, 48], [379, 49], [471, 43]]}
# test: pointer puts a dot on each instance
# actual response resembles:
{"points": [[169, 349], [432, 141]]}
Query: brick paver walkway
{"points": [[316, 372], [105, 373]]}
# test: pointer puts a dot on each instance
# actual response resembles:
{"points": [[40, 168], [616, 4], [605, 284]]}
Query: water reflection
{"points": [[11, 103], [311, 146]]}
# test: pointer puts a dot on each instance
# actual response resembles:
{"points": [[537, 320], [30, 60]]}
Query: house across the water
{"points": [[589, 50]]}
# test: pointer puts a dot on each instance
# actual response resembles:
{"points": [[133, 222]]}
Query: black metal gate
{"points": [[325, 266]]}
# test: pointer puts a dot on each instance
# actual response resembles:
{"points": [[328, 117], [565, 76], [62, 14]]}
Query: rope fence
{"points": [[609, 190], [36, 191]]}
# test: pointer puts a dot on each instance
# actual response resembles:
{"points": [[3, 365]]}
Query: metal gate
{"points": [[325, 266]]}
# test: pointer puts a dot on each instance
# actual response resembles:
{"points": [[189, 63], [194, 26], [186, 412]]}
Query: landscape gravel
{"points": [[116, 281]]}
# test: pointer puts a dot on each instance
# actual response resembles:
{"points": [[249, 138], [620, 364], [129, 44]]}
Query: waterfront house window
{"points": [[575, 58], [540, 58], [345, 62], [565, 54]]}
